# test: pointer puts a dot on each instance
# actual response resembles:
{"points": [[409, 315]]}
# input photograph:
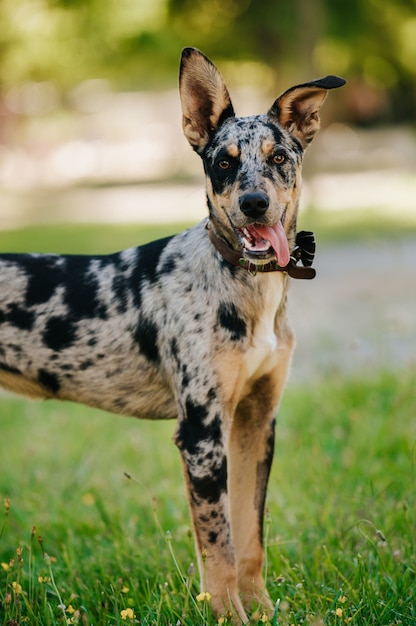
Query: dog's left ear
{"points": [[205, 100], [297, 109]]}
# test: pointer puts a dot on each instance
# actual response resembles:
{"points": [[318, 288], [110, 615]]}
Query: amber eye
{"points": [[224, 164], [278, 159]]}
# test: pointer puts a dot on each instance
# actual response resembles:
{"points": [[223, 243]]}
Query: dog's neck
{"points": [[235, 258]]}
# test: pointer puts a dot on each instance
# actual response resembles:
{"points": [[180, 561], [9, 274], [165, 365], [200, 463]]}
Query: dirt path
{"points": [[359, 313]]}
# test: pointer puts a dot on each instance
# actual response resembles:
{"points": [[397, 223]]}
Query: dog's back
{"points": [[71, 327]]}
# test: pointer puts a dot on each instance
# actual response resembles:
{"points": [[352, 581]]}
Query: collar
{"points": [[304, 251]]}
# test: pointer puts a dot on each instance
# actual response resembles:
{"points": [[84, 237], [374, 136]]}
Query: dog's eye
{"points": [[278, 158], [224, 164]]}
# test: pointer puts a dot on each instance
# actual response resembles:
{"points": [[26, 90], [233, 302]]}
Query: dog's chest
{"points": [[262, 353]]}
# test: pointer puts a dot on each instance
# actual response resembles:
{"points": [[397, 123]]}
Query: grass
{"points": [[81, 238], [330, 227], [95, 526]]}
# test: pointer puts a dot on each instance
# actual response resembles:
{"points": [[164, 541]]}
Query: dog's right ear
{"points": [[205, 100], [297, 109]]}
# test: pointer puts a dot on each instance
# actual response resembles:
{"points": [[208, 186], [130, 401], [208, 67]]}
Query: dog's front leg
{"points": [[251, 453], [201, 436], [251, 446]]}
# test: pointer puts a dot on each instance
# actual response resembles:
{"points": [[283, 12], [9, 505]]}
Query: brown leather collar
{"points": [[304, 251]]}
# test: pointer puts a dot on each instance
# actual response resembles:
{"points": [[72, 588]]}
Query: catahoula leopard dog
{"points": [[192, 327]]}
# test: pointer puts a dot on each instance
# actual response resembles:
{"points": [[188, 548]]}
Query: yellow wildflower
{"points": [[88, 499], [125, 589], [264, 619], [17, 588], [70, 609], [338, 612], [5, 566], [44, 579], [204, 596], [127, 614]]}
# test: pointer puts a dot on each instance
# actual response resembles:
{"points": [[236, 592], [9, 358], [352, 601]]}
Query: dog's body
{"points": [[173, 329]]}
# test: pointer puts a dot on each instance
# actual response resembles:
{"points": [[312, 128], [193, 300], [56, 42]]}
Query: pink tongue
{"points": [[278, 240]]}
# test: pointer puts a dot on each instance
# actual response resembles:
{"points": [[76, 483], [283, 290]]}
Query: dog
{"points": [[192, 327]]}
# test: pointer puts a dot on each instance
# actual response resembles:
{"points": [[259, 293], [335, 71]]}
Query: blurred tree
{"points": [[371, 42], [136, 43], [69, 40], [259, 29], [376, 41]]}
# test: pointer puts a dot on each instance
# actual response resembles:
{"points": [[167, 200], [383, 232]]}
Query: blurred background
{"points": [[91, 140]]}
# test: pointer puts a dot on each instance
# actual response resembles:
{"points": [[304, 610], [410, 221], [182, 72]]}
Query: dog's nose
{"points": [[254, 204]]}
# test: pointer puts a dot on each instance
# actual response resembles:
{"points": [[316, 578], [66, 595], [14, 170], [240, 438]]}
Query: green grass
{"points": [[337, 226], [81, 238], [358, 225], [341, 531]]}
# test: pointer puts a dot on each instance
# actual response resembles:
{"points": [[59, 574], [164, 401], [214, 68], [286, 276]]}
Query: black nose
{"points": [[254, 204]]}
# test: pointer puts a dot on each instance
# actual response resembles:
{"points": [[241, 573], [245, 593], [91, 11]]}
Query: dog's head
{"points": [[252, 164]]}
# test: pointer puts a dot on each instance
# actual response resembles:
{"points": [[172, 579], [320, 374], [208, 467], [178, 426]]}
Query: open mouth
{"points": [[262, 242]]}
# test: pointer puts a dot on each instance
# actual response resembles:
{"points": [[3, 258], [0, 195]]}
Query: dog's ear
{"points": [[297, 109], [204, 97]]}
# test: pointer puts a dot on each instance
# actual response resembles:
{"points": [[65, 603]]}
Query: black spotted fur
{"points": [[171, 330]]}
